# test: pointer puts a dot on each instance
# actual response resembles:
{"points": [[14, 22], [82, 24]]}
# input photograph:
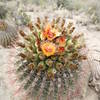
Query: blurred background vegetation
{"points": [[90, 7]]}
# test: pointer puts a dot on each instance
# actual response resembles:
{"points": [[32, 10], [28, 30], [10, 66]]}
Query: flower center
{"points": [[48, 48]]}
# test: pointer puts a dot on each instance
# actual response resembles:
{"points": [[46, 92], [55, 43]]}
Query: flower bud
{"points": [[49, 62]]}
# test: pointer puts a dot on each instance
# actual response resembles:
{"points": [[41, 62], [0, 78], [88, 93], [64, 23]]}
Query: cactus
{"points": [[8, 34], [50, 55], [3, 12]]}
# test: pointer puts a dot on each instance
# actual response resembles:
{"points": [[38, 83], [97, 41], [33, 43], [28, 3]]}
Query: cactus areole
{"points": [[50, 52]]}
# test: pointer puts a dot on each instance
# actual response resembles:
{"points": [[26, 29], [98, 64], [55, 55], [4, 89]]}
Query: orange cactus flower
{"points": [[61, 49], [48, 27], [61, 41], [49, 33], [46, 30], [48, 48]]}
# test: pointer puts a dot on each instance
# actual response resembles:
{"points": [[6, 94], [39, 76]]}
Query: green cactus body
{"points": [[50, 59]]}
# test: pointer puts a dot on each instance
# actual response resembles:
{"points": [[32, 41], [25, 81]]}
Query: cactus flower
{"points": [[50, 33], [48, 48]]}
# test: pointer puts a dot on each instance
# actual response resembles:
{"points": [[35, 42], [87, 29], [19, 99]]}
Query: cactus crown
{"points": [[49, 52], [3, 25]]}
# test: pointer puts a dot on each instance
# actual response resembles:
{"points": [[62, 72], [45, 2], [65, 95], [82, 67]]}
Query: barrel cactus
{"points": [[8, 33], [49, 58]]}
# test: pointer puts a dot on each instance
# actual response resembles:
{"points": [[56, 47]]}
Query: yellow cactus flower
{"points": [[48, 48]]}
